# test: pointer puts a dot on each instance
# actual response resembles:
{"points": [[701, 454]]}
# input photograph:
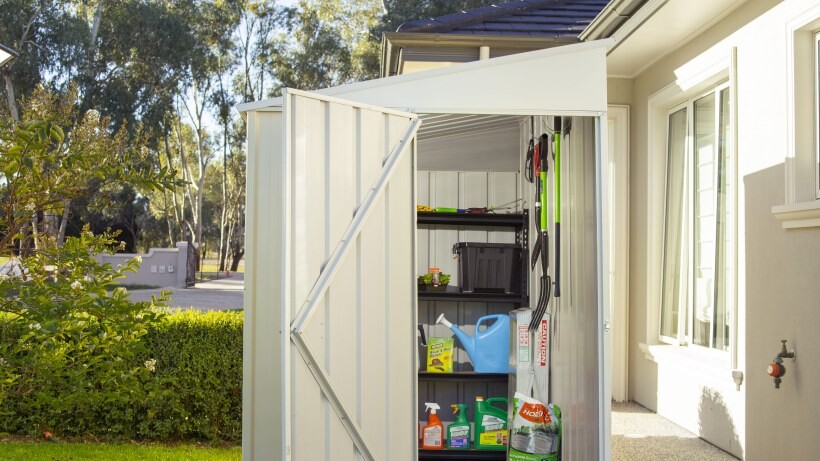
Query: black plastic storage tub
{"points": [[489, 267]]}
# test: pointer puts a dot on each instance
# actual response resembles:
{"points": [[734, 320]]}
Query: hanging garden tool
{"points": [[556, 174], [541, 248]]}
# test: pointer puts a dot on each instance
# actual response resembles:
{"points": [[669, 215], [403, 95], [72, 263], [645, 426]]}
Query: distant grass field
{"points": [[27, 451]]}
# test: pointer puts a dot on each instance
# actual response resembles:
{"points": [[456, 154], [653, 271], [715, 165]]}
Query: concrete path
{"points": [[220, 294], [639, 434]]}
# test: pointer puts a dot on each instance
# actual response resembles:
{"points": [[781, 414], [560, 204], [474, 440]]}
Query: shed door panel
{"points": [[352, 215]]}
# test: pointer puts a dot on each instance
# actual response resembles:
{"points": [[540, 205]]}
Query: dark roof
{"points": [[535, 18]]}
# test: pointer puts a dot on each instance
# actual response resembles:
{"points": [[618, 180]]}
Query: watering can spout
{"points": [[466, 340]]}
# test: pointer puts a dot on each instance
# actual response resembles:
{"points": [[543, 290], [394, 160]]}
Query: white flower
{"points": [[151, 365], [4, 276], [30, 206], [138, 259], [33, 326], [120, 291], [3, 362], [92, 116], [50, 268], [76, 285]]}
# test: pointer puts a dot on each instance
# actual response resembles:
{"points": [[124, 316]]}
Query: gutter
{"points": [[619, 19]]}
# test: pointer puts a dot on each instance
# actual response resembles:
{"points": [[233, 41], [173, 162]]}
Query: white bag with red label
{"points": [[536, 430]]}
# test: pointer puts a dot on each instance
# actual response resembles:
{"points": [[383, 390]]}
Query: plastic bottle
{"points": [[458, 433], [490, 424], [432, 435]]}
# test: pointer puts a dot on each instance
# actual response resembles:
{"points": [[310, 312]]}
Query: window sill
{"points": [[714, 363], [794, 216]]}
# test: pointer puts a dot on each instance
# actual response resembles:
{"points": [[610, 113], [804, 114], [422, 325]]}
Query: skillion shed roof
{"points": [[565, 80], [534, 18]]}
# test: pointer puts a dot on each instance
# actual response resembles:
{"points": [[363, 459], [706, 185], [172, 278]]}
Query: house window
{"points": [[697, 244]]}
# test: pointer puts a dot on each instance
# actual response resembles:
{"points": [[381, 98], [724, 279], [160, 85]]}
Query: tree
{"points": [[43, 169], [329, 45]]}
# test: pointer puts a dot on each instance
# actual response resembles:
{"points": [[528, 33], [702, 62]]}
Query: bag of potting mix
{"points": [[536, 430]]}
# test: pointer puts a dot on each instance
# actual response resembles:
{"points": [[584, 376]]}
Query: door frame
{"points": [[618, 271]]}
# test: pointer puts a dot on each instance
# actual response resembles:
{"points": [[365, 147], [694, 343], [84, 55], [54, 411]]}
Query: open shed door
{"points": [[330, 357]]}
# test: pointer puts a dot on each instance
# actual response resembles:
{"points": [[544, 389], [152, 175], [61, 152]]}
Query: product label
{"points": [[543, 343], [459, 438], [491, 422], [432, 436], [535, 413], [523, 344], [493, 438]]}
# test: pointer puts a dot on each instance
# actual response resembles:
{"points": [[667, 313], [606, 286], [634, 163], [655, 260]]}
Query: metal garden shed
{"points": [[333, 248]]}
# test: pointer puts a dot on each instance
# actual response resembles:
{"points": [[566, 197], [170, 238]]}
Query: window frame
{"points": [[817, 114], [686, 312]]}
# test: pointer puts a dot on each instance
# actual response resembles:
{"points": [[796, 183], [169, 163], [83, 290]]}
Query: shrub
{"points": [[199, 367], [72, 362], [77, 360], [194, 360]]}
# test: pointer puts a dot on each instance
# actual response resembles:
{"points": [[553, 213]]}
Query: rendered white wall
{"points": [[162, 267], [778, 269]]}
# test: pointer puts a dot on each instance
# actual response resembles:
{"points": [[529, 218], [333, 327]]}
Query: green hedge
{"points": [[194, 391]]}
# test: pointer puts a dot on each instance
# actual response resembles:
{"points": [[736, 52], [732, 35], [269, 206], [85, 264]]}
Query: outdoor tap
{"points": [[776, 368]]}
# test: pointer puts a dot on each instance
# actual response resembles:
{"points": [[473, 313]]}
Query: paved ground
{"points": [[220, 294], [639, 434]]}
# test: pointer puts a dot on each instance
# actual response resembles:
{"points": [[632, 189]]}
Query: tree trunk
{"points": [[92, 42], [10, 97], [178, 211], [64, 222]]}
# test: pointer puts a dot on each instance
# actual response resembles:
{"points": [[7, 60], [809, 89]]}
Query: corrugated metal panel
{"points": [[577, 377], [360, 338]]}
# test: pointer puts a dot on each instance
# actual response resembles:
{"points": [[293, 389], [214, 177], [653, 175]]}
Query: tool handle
{"points": [[557, 239]]}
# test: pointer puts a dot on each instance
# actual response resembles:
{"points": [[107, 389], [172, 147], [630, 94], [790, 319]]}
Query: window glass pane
{"points": [[704, 238], [723, 254], [672, 294]]}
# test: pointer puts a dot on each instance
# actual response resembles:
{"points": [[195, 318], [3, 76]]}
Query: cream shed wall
{"points": [[778, 295]]}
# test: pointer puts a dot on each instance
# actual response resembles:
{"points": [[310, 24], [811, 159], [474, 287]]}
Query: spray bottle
{"points": [[458, 433], [432, 435]]}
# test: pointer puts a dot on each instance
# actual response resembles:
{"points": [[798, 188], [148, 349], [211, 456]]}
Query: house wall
{"points": [[778, 295]]}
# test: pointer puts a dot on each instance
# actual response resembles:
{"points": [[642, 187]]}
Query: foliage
{"points": [[43, 169], [199, 363], [194, 390], [21, 451], [74, 361], [329, 44], [427, 279]]}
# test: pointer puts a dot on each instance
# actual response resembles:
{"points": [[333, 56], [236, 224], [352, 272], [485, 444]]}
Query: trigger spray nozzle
{"points": [[455, 408], [432, 408]]}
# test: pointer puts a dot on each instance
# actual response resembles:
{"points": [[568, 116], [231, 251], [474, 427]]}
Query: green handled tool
{"points": [[557, 182], [541, 249]]}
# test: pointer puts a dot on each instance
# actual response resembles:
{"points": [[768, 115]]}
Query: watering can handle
{"points": [[486, 318]]}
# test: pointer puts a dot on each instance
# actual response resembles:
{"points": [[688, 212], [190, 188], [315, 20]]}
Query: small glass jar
{"points": [[435, 271]]}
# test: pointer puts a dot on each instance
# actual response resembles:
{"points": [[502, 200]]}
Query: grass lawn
{"points": [[26, 451]]}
